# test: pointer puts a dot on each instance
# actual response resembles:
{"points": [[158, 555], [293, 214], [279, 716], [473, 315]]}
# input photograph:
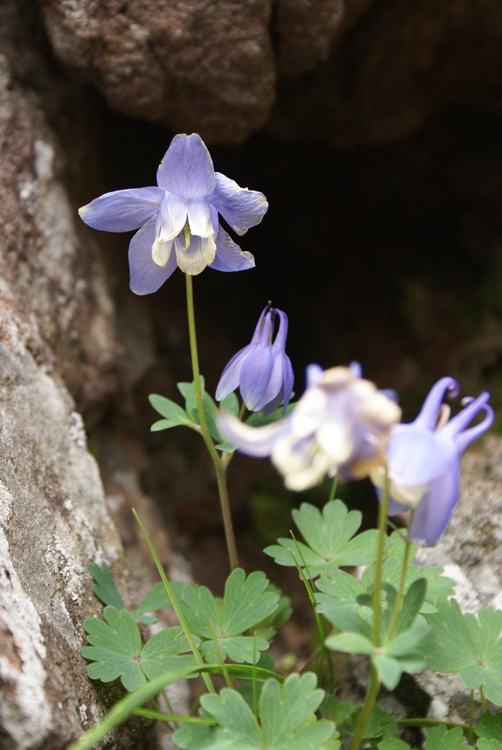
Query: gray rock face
{"points": [[56, 329], [469, 552]]}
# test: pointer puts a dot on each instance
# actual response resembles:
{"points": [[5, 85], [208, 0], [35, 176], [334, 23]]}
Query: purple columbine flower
{"points": [[262, 370], [424, 460], [178, 220], [340, 426]]}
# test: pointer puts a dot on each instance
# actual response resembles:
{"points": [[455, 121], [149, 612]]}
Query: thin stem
{"points": [[366, 712], [219, 468], [402, 581], [382, 527], [176, 606], [483, 699], [334, 485], [471, 720]]}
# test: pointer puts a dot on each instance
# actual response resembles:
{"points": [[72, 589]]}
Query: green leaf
{"points": [[158, 598], [161, 653], [350, 643], [412, 604], [173, 414], [439, 738], [285, 720], [336, 710], [116, 650], [230, 404], [116, 644], [393, 744], [104, 587], [490, 727], [329, 537], [389, 670], [381, 725], [222, 623], [483, 744], [258, 420], [468, 645]]}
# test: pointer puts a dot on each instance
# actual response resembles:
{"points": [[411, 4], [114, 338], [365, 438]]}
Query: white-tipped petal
{"points": [[194, 258], [161, 252]]}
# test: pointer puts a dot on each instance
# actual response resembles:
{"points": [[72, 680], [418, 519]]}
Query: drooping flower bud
{"points": [[262, 370]]}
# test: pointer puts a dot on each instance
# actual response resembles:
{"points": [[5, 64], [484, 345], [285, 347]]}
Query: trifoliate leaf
{"points": [[117, 651], [285, 719], [468, 645], [329, 537], [221, 623], [173, 414], [490, 727], [439, 738]]}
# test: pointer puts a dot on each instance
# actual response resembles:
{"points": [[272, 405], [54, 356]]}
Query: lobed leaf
{"points": [[285, 713], [439, 738], [329, 537], [116, 650], [468, 645]]}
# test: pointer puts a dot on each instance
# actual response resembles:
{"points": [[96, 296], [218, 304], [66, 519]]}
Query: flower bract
{"points": [[424, 460], [262, 370], [178, 221], [339, 426]]}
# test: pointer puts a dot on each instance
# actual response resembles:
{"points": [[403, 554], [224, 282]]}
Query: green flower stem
{"points": [[471, 720], [176, 606], [366, 712], [334, 485], [402, 581], [219, 468], [382, 527], [483, 699], [161, 716]]}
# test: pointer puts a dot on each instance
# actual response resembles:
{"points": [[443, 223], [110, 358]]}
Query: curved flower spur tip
{"points": [[423, 460], [456, 426], [429, 413], [122, 210], [262, 370], [187, 168]]}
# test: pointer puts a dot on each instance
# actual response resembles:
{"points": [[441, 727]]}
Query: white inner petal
{"points": [[161, 252]]}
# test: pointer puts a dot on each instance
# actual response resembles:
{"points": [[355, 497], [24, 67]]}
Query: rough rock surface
{"points": [[213, 67], [57, 335], [469, 552]]}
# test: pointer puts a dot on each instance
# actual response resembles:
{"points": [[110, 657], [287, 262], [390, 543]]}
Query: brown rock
{"points": [[194, 65]]}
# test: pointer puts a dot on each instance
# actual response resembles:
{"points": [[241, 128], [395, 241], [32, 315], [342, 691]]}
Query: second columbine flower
{"points": [[262, 370], [340, 426]]}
